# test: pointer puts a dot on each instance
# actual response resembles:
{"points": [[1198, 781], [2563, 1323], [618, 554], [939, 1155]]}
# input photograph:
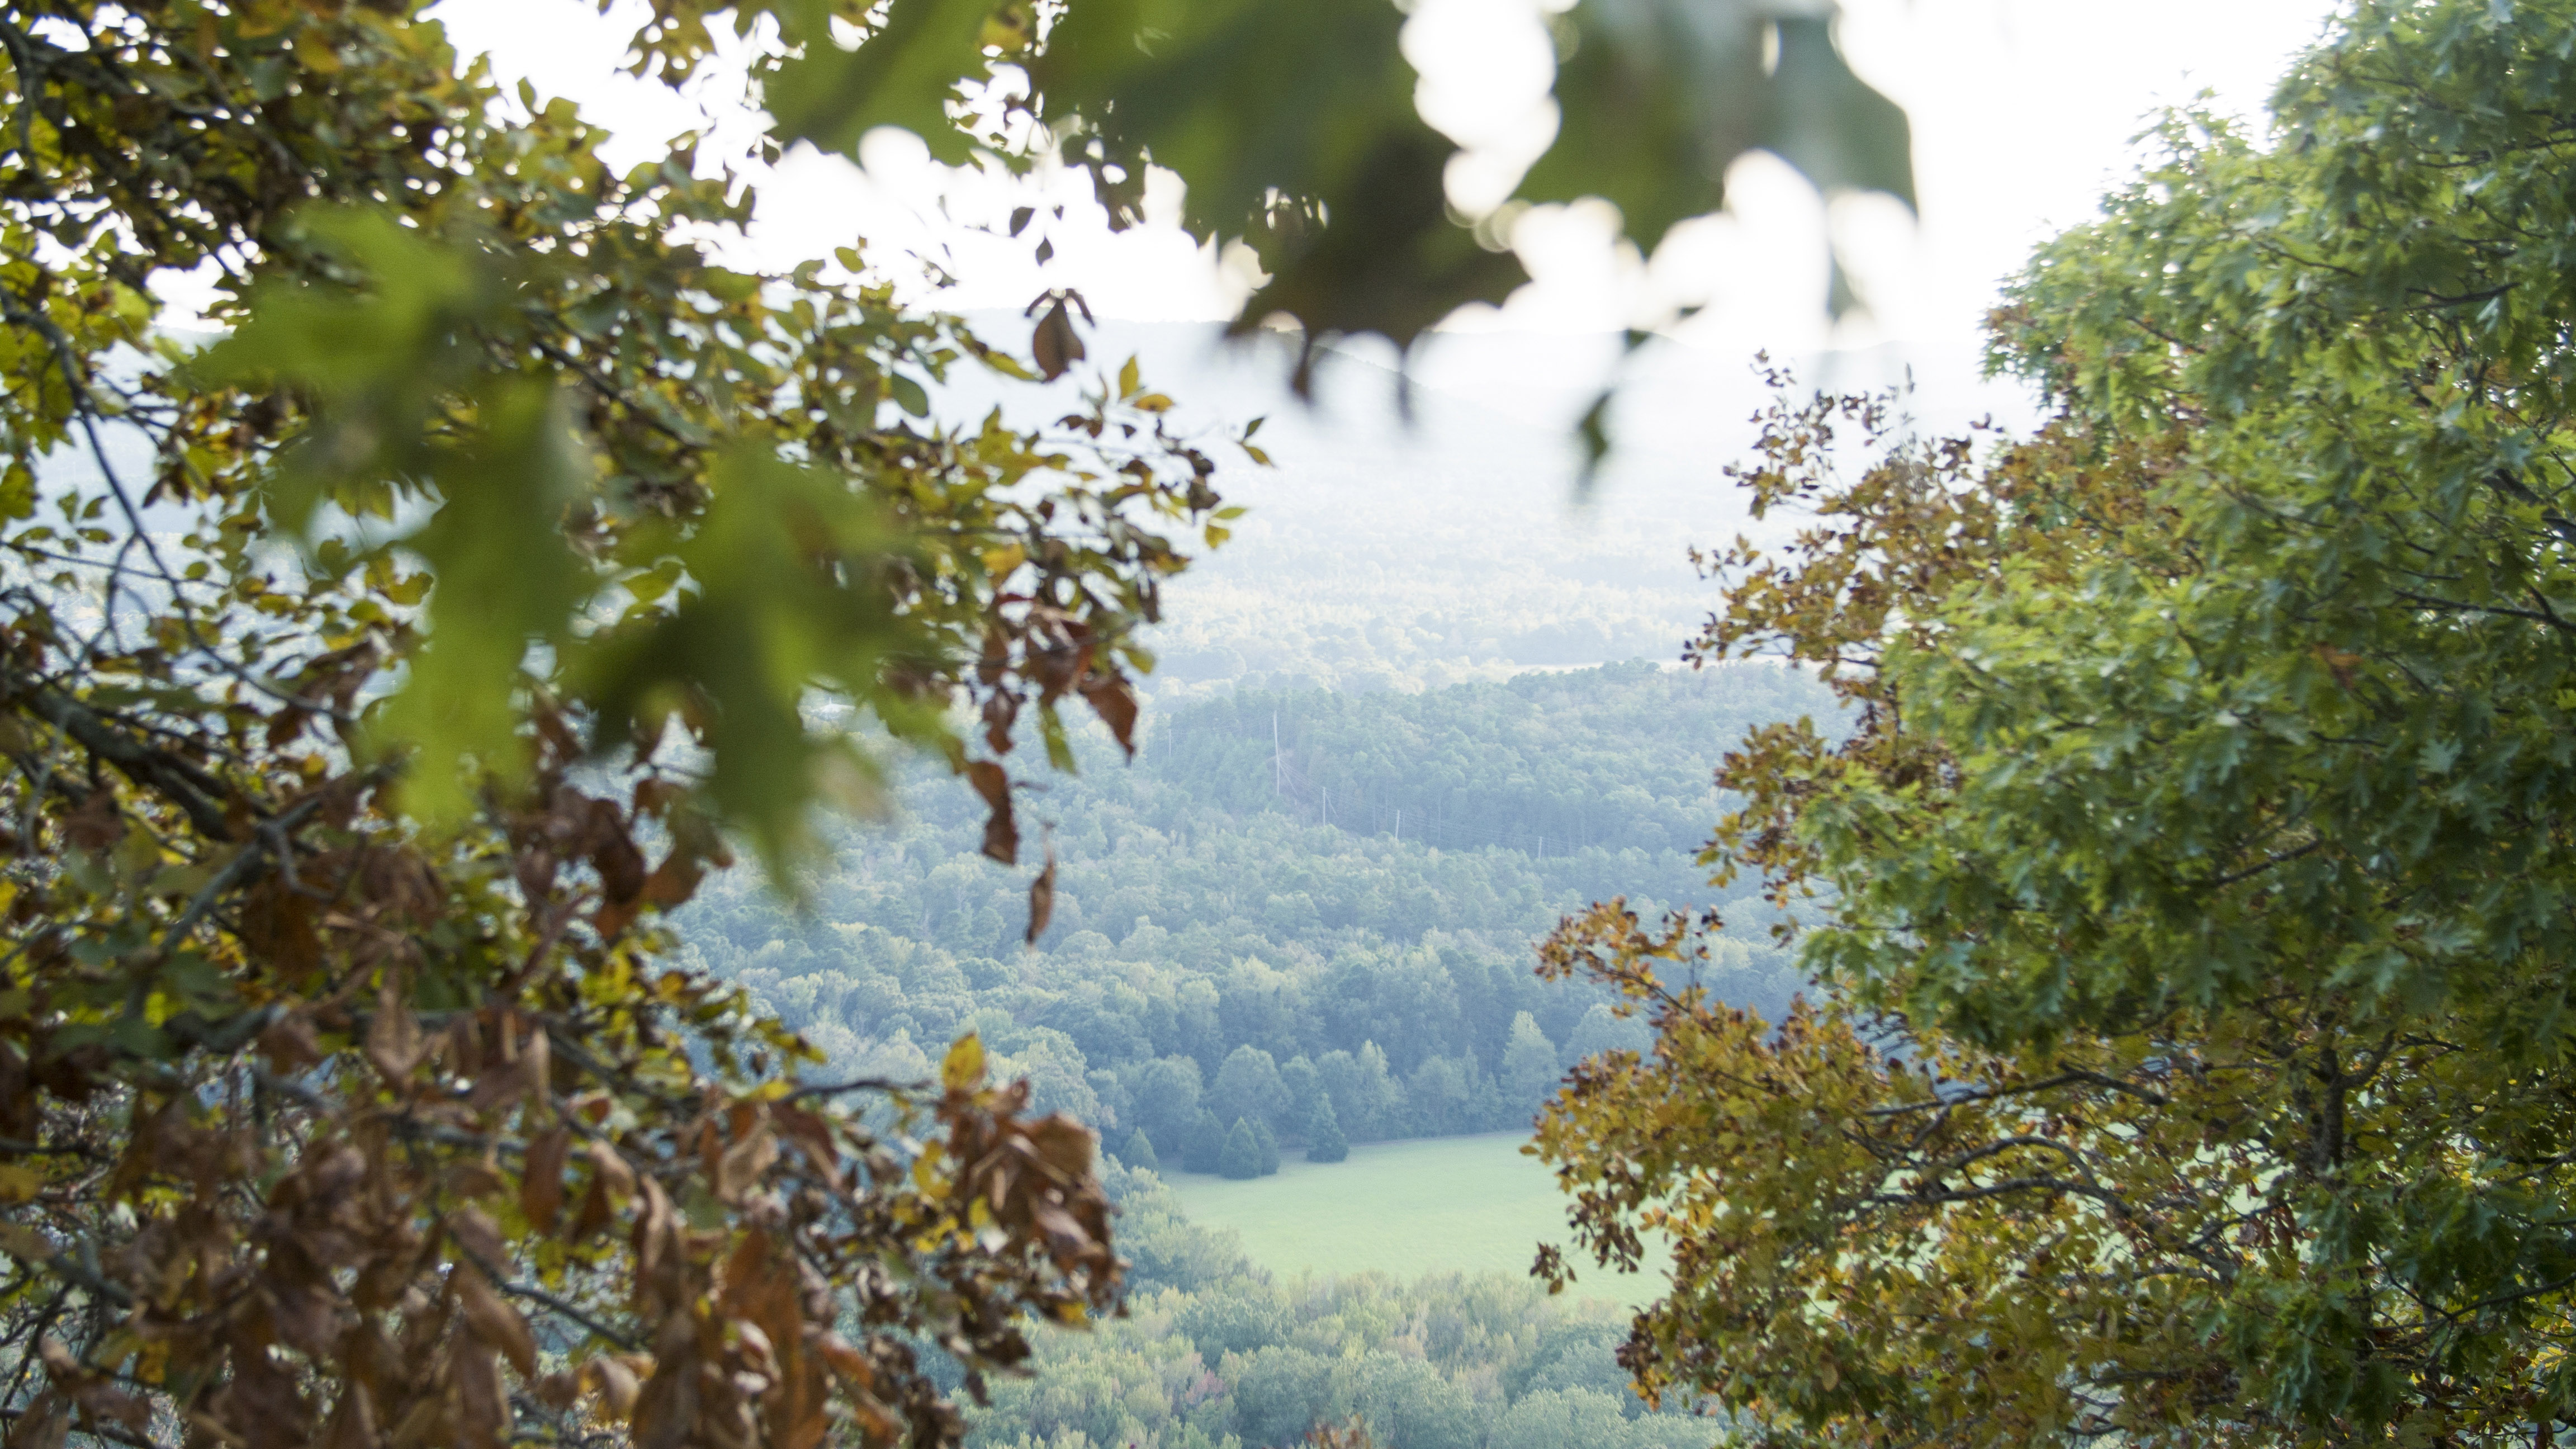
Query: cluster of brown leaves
{"points": [[342, 1215]]}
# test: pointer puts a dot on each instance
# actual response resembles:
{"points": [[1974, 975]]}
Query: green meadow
{"points": [[1431, 1205]]}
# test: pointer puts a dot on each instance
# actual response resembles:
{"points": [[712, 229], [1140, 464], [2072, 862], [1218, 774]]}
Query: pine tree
{"points": [[1324, 1139], [1268, 1142], [1138, 1154], [1241, 1158], [1205, 1145]]}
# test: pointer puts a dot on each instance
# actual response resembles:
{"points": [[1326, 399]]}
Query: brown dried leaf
{"points": [[474, 1177], [477, 1235], [1111, 699], [1063, 1144], [1055, 346], [611, 1166], [1001, 831], [482, 1403], [18, 1099], [353, 1420], [745, 1162], [289, 1043], [557, 1391], [394, 1042], [674, 880], [1042, 899], [277, 923], [95, 824], [1001, 710], [615, 1383], [594, 1215], [812, 1136], [541, 1181], [846, 1360], [494, 1320]]}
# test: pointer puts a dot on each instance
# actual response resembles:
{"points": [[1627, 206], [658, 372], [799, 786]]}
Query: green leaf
{"points": [[506, 582], [908, 394], [904, 73]]}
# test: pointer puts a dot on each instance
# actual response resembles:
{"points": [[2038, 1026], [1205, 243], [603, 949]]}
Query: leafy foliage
{"points": [[2192, 1067], [506, 543]]}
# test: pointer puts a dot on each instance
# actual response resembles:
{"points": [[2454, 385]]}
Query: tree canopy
{"points": [[2190, 902]]}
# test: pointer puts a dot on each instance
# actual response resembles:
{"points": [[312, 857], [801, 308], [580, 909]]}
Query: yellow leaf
{"points": [[18, 1181], [963, 1070]]}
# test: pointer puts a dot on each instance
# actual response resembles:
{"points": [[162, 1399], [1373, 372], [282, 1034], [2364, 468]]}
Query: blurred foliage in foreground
{"points": [[1294, 128]]}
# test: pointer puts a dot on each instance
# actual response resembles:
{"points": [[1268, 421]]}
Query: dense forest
{"points": [[1214, 1351], [1285, 899]]}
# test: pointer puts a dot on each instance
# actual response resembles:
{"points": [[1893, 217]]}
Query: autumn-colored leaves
{"points": [[492, 1236]]}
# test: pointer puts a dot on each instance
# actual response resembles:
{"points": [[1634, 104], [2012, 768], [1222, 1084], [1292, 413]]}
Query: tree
{"points": [[370, 678], [1324, 1139], [1304, 1087], [1267, 1143], [2187, 1063], [1529, 1065], [1240, 1158], [1167, 1099], [1205, 1150], [1139, 1152], [1365, 1094], [1248, 1085], [1437, 1094]]}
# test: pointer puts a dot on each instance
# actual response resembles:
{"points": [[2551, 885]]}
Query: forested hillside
{"points": [[1285, 898], [1215, 1351]]}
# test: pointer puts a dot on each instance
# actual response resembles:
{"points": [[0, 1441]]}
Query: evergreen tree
{"points": [[1268, 1142], [1529, 1067], [1324, 1139], [1241, 1157], [1139, 1152], [1206, 1144], [1380, 1095]]}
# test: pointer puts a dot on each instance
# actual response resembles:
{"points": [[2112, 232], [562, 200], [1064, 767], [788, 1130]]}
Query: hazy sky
{"points": [[2022, 110]]}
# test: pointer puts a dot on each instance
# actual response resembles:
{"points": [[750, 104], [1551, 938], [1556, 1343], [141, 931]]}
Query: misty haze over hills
{"points": [[1382, 554]]}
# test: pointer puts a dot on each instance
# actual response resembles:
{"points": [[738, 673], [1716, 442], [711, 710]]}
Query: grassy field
{"points": [[1442, 1204]]}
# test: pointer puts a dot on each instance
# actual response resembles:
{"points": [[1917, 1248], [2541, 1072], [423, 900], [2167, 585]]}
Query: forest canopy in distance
{"points": [[1240, 927]]}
